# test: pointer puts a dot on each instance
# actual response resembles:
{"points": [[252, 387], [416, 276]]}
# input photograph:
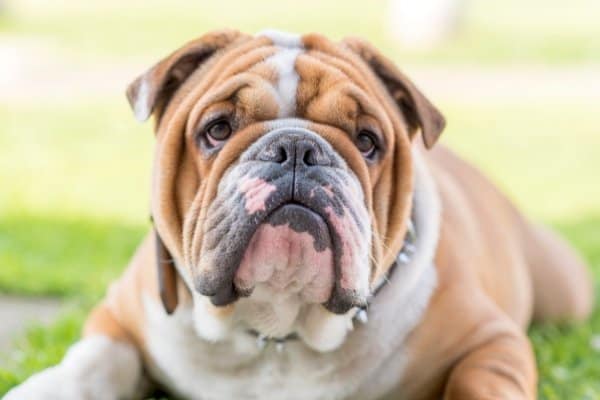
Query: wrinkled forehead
{"points": [[296, 76]]}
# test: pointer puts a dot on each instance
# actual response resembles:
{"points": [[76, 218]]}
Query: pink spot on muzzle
{"points": [[329, 191], [256, 191], [326, 188]]}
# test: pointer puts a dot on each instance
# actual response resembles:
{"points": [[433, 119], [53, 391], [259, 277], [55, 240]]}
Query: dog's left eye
{"points": [[218, 131], [366, 143]]}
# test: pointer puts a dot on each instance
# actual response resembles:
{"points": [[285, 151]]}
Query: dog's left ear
{"points": [[157, 85], [416, 108]]}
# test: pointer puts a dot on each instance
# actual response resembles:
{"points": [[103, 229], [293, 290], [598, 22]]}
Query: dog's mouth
{"points": [[290, 251]]}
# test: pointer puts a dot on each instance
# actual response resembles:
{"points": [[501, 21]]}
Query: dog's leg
{"points": [[501, 368], [104, 365], [563, 287]]}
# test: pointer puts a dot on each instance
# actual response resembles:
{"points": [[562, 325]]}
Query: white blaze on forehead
{"points": [[287, 123], [284, 63]]}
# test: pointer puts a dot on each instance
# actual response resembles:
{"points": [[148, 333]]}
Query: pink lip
{"points": [[285, 259]]}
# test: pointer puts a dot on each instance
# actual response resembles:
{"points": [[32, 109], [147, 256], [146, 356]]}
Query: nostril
{"points": [[308, 158], [282, 155], [294, 151]]}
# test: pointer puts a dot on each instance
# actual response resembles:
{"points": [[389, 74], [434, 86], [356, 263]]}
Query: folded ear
{"points": [[158, 84], [417, 109]]}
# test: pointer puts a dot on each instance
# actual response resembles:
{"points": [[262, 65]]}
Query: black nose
{"points": [[297, 149]]}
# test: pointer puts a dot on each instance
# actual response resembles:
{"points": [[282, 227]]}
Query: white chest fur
{"points": [[367, 365], [237, 368]]}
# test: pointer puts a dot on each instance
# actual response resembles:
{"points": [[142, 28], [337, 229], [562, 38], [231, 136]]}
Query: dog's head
{"points": [[283, 169]]}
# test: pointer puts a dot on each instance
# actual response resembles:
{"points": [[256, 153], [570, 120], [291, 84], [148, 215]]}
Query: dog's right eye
{"points": [[366, 143], [218, 131]]}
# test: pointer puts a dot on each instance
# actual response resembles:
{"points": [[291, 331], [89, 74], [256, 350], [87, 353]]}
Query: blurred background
{"points": [[518, 80]]}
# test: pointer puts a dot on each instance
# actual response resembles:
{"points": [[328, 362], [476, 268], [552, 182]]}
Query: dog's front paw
{"points": [[54, 384]]}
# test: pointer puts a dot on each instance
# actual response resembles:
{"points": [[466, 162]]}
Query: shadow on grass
{"points": [[568, 356], [63, 256]]}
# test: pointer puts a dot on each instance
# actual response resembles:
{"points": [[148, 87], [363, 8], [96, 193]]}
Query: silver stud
{"points": [[409, 248], [279, 346], [403, 258], [261, 342], [362, 317]]}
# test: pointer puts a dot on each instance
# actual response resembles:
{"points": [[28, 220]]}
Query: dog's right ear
{"points": [[157, 85]]}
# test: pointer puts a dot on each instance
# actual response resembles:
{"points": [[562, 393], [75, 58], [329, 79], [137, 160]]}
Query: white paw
{"points": [[53, 383], [96, 368]]}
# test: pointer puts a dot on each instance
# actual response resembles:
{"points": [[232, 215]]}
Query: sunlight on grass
{"points": [[77, 158], [544, 154], [507, 31]]}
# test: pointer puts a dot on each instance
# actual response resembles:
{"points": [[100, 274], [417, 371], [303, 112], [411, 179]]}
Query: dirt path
{"points": [[509, 83], [16, 313]]}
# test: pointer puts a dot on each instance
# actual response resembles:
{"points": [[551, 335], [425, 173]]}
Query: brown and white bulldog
{"points": [[307, 246]]}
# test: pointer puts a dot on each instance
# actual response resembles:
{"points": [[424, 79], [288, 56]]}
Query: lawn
{"points": [[75, 174]]}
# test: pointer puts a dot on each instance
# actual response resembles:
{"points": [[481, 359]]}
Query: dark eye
{"points": [[366, 143], [218, 131]]}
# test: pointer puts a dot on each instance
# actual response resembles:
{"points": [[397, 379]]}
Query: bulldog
{"points": [[307, 245]]}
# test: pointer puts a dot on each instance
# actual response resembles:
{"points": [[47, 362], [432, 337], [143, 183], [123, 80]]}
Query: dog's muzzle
{"points": [[289, 214]]}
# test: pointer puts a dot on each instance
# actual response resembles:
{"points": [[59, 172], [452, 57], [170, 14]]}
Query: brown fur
{"points": [[495, 269]]}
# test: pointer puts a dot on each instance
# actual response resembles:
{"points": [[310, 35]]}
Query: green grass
{"points": [[75, 174], [568, 363], [71, 159], [544, 154], [63, 255]]}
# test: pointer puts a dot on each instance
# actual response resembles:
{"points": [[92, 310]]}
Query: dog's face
{"points": [[283, 165], [288, 212]]}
